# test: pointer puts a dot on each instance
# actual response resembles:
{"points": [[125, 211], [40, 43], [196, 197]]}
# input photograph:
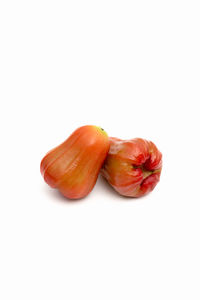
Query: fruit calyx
{"points": [[146, 173]]}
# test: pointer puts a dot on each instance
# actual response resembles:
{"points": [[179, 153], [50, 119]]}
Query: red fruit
{"points": [[132, 167], [73, 166]]}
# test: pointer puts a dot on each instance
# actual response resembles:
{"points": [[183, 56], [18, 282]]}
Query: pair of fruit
{"points": [[132, 167]]}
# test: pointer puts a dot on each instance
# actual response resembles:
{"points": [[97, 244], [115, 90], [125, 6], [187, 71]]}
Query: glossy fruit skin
{"points": [[73, 166], [132, 167]]}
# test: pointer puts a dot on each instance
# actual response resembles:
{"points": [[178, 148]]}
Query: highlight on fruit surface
{"points": [[132, 167], [73, 166]]}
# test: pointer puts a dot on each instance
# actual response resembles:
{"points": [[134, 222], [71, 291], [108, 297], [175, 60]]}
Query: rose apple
{"points": [[73, 166], [132, 167]]}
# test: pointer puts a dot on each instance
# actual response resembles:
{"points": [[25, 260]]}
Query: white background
{"points": [[132, 67]]}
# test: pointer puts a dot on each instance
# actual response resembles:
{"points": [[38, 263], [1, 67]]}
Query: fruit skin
{"points": [[73, 166], [132, 167]]}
